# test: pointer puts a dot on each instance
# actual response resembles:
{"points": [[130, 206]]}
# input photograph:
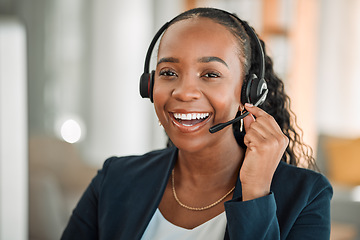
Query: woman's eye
{"points": [[211, 75], [167, 73]]}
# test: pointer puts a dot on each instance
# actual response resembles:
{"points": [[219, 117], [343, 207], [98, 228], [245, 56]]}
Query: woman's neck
{"points": [[215, 166]]}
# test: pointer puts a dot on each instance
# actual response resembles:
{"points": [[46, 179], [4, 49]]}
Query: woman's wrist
{"points": [[252, 192]]}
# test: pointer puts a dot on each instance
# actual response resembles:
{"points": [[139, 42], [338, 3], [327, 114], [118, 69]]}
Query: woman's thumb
{"points": [[247, 121]]}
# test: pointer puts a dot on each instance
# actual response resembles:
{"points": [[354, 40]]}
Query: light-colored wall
{"points": [[13, 131], [119, 122], [338, 84]]}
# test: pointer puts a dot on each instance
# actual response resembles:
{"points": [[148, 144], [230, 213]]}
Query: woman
{"points": [[240, 182]]}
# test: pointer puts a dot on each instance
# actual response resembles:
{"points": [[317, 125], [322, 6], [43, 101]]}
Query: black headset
{"points": [[254, 89]]}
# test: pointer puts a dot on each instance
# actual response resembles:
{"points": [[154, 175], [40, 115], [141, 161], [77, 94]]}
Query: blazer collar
{"points": [[167, 163]]}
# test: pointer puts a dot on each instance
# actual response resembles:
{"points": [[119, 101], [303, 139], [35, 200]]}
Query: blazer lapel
{"points": [[237, 194], [152, 186]]}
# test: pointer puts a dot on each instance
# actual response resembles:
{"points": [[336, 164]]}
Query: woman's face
{"points": [[198, 82]]}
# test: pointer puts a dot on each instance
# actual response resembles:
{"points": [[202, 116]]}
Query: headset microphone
{"points": [[220, 126]]}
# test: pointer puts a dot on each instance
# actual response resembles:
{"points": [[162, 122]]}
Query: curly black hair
{"points": [[277, 103]]}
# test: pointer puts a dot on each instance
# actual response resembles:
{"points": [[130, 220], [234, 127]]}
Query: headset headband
{"points": [[152, 45], [248, 30], [253, 86]]}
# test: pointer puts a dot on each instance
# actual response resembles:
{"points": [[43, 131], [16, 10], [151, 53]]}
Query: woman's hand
{"points": [[266, 144]]}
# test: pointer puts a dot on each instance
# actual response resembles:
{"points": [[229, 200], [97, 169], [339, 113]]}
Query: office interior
{"points": [[69, 98]]}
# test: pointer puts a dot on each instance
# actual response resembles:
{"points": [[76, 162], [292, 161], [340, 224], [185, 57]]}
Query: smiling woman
{"points": [[237, 183], [204, 76]]}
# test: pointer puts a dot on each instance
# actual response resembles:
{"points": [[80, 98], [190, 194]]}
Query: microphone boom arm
{"points": [[220, 126]]}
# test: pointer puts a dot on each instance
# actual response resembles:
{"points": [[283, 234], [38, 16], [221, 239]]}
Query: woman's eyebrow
{"points": [[168, 59], [202, 60], [212, 59]]}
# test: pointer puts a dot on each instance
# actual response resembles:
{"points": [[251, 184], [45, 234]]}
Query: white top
{"points": [[162, 229]]}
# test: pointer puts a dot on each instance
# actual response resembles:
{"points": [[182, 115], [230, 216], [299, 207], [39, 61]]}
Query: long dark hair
{"points": [[277, 103]]}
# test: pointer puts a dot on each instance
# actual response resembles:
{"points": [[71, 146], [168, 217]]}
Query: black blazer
{"points": [[121, 200]]}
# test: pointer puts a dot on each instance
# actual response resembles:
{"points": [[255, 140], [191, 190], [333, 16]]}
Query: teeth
{"points": [[190, 116]]}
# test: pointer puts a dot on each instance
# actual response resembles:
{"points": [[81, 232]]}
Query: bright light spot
{"points": [[356, 194], [71, 131]]}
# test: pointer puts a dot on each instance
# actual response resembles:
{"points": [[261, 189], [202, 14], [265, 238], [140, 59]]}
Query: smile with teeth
{"points": [[190, 119]]}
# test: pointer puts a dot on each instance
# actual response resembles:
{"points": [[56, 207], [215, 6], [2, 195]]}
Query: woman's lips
{"points": [[189, 122]]}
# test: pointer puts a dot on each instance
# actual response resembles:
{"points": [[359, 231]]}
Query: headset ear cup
{"points": [[253, 89], [248, 89], [245, 91], [151, 85], [260, 88], [144, 85]]}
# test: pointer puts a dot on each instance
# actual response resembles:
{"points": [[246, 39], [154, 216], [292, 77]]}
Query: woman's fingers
{"points": [[260, 125], [266, 144]]}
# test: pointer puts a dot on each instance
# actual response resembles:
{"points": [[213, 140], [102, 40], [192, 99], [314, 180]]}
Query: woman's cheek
{"points": [[225, 107]]}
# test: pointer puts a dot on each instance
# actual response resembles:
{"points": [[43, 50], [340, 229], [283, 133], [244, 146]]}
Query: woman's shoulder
{"points": [[289, 179], [138, 165], [148, 158], [134, 170], [298, 174]]}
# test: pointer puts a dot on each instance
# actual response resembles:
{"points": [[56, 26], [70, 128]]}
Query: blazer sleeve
{"points": [[83, 223], [254, 219], [257, 219]]}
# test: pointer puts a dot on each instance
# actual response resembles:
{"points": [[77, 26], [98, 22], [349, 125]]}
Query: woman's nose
{"points": [[186, 90]]}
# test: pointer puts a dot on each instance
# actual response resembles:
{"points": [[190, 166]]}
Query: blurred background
{"points": [[69, 75]]}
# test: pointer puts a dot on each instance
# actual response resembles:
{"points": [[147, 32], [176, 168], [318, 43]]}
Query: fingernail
{"points": [[248, 105]]}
